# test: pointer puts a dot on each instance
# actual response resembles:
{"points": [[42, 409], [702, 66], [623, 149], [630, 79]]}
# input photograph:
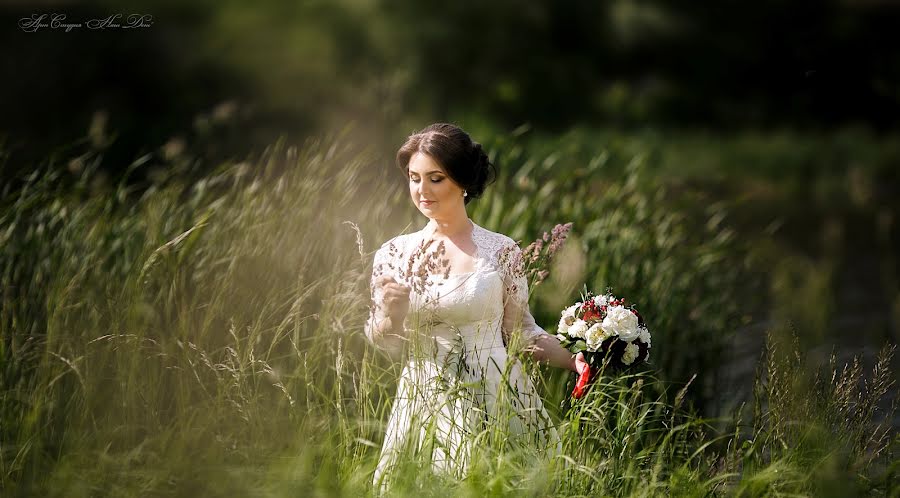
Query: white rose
{"points": [[595, 336], [630, 354], [567, 319], [578, 329], [600, 300], [645, 336], [621, 322]]}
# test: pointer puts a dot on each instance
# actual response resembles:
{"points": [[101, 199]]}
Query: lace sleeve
{"points": [[516, 315], [383, 264]]}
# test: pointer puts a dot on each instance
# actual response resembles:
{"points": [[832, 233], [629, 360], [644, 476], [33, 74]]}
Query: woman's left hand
{"points": [[580, 363], [584, 375]]}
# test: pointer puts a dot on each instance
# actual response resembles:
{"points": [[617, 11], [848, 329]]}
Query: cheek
{"points": [[447, 188]]}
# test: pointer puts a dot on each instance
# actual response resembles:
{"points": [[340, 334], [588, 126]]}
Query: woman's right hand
{"points": [[396, 299]]}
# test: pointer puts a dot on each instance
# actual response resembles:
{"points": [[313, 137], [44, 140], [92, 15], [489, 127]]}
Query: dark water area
{"points": [[853, 254]]}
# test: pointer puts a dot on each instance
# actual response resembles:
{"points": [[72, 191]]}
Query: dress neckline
{"points": [[431, 226], [428, 230]]}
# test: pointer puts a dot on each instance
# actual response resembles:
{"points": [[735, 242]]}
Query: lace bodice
{"points": [[489, 302]]}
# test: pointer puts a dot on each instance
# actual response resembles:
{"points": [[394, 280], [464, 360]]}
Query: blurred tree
{"points": [[227, 77]]}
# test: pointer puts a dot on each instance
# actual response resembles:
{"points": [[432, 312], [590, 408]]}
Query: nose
{"points": [[424, 190]]}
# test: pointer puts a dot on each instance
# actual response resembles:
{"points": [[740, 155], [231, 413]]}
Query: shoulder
{"points": [[495, 241], [500, 252], [395, 247], [393, 244]]}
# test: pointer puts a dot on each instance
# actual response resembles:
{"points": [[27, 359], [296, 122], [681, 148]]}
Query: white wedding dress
{"points": [[458, 381]]}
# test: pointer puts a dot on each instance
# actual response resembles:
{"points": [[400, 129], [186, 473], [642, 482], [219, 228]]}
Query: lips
{"points": [[426, 203]]}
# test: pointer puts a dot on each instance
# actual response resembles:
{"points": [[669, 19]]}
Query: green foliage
{"points": [[682, 269], [204, 337], [820, 440]]}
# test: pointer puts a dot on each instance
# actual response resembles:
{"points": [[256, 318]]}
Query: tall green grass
{"points": [[204, 337]]}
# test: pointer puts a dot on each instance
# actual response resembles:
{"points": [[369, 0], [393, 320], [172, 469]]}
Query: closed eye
{"points": [[433, 180]]}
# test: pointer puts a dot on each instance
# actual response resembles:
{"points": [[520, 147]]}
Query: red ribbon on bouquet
{"points": [[581, 385]]}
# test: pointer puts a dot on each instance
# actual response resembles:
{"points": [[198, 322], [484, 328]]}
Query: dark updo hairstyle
{"points": [[464, 160]]}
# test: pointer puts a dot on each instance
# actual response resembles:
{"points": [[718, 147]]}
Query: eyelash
{"points": [[439, 180]]}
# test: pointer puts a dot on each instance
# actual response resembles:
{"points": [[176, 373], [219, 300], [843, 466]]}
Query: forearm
{"points": [[546, 349]]}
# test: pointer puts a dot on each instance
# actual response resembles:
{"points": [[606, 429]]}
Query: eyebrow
{"points": [[429, 172]]}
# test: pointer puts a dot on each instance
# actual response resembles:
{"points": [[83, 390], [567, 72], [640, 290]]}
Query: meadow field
{"points": [[194, 329]]}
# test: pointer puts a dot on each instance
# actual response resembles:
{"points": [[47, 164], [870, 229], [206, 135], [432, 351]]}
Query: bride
{"points": [[448, 301]]}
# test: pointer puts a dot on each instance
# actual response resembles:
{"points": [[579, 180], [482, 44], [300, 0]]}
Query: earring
{"points": [[465, 193]]}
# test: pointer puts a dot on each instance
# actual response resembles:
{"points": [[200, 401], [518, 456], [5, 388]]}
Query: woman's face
{"points": [[432, 191]]}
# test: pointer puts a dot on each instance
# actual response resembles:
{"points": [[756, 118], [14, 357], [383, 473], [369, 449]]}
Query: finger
{"points": [[584, 368], [384, 279], [400, 289], [394, 292]]}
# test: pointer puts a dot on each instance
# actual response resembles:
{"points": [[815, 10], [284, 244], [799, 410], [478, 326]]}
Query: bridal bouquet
{"points": [[606, 331]]}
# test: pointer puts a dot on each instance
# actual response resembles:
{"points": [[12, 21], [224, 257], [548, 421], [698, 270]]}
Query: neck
{"points": [[451, 227]]}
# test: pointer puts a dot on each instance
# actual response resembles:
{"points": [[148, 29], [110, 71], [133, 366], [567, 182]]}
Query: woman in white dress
{"points": [[447, 300]]}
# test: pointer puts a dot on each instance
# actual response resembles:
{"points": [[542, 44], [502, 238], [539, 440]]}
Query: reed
{"points": [[204, 337]]}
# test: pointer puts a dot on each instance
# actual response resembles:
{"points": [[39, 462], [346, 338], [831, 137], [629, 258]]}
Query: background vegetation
{"points": [[189, 212]]}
